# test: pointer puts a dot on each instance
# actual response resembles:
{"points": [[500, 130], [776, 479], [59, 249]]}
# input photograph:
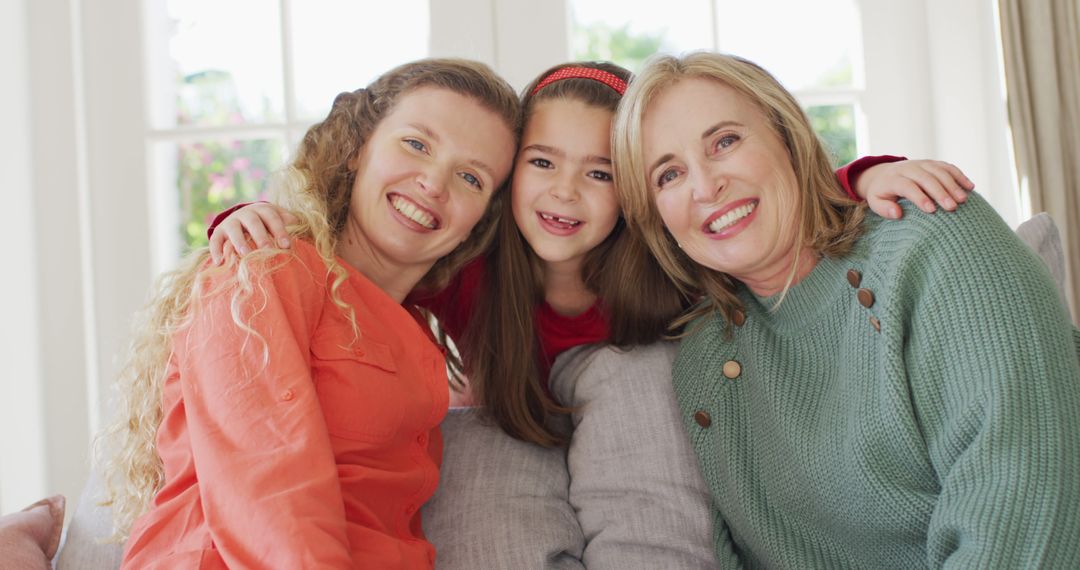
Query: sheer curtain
{"points": [[1041, 42]]}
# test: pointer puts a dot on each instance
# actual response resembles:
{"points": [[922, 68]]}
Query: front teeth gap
{"points": [[551, 218]]}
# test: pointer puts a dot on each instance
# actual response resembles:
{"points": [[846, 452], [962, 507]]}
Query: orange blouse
{"points": [[305, 449]]}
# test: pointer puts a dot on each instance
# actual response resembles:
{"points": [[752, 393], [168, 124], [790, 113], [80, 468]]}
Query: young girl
{"points": [[562, 253], [282, 411]]}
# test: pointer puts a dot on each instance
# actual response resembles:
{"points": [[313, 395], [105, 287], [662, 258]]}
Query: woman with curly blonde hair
{"points": [[282, 410]]}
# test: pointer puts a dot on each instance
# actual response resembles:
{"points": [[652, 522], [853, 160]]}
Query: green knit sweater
{"points": [[951, 438]]}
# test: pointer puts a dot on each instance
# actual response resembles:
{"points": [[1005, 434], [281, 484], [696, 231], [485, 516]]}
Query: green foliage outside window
{"points": [[615, 44], [835, 125], [213, 175]]}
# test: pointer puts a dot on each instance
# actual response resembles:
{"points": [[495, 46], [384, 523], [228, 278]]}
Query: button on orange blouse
{"points": [[305, 449]]}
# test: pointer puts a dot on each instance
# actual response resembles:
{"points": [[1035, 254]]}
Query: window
{"points": [[233, 86], [814, 49], [628, 33]]}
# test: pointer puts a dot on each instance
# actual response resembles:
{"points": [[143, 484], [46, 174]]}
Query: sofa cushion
{"points": [[84, 540], [1041, 235], [29, 538], [629, 475], [634, 479], [501, 503]]}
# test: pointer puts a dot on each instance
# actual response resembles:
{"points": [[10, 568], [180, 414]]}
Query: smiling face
{"points": [[722, 180], [424, 179], [563, 196]]}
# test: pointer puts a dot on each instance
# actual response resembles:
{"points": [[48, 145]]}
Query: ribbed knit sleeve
{"points": [[995, 384], [726, 557]]}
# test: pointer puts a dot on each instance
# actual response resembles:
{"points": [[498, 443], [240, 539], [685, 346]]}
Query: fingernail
{"points": [[244, 250], [928, 206], [949, 204], [283, 242]]}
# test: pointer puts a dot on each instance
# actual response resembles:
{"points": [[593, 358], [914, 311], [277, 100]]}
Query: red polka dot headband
{"points": [[607, 78]]}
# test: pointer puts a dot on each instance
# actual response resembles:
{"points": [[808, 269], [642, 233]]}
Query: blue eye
{"points": [[666, 176], [472, 180], [540, 163], [416, 145], [726, 141], [600, 175]]}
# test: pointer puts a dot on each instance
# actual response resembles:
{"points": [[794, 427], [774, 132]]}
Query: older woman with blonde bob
{"points": [[859, 394]]}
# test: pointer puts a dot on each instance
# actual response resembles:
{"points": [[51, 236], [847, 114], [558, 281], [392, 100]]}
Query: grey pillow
{"points": [[90, 525], [1041, 235], [634, 479], [501, 503]]}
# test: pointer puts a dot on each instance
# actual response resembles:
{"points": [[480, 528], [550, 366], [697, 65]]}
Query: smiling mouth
{"points": [[413, 212], [552, 218], [731, 218]]}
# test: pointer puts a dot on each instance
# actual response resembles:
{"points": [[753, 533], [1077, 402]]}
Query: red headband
{"points": [[607, 78]]}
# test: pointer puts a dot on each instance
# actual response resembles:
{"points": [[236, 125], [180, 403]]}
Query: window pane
{"points": [[206, 177], [213, 63], [806, 45], [629, 32], [835, 124], [341, 46]]}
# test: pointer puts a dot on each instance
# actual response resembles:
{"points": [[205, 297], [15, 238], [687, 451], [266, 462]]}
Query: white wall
{"points": [[969, 112], [524, 38], [897, 86], [934, 90], [117, 241], [22, 462], [45, 411]]}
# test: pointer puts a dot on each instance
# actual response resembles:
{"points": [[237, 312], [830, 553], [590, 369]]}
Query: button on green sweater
{"points": [[948, 438]]}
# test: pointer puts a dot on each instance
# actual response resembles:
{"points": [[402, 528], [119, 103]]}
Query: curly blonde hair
{"points": [[317, 188], [830, 222]]}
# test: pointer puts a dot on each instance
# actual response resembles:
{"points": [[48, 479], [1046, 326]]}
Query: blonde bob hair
{"points": [[829, 221], [317, 188]]}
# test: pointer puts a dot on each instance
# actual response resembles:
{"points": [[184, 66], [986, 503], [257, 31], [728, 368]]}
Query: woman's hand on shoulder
{"points": [[925, 183], [261, 224]]}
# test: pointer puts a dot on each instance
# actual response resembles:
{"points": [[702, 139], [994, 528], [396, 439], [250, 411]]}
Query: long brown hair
{"points": [[501, 345], [830, 221], [317, 188]]}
